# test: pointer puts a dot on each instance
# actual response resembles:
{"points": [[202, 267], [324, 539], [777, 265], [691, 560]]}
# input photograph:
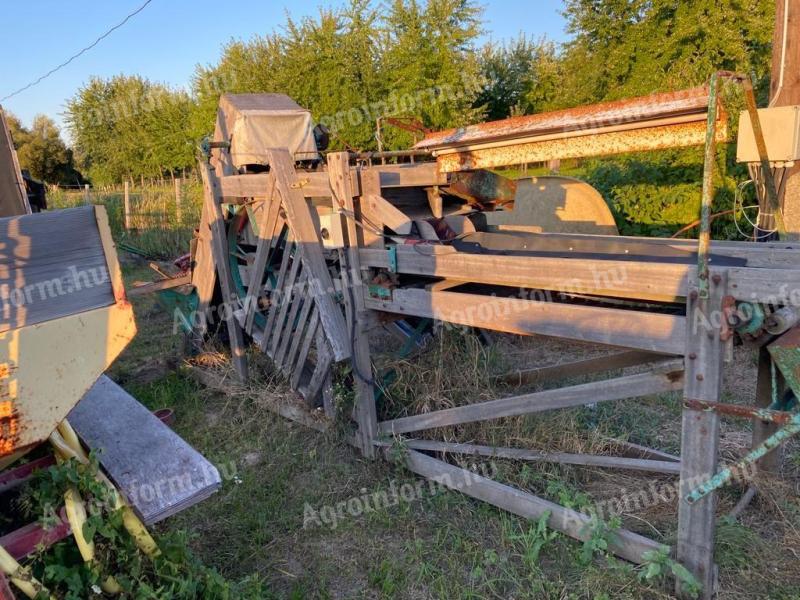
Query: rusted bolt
{"points": [[699, 377], [717, 278], [692, 355]]}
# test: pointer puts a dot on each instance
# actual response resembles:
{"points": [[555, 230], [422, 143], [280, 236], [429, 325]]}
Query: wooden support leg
{"points": [[762, 429], [700, 437], [366, 413], [211, 204]]}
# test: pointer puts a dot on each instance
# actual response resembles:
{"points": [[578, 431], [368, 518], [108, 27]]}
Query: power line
{"points": [[83, 51]]}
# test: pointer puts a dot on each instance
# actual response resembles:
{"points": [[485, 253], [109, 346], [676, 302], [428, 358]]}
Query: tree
{"points": [[520, 77], [128, 127], [624, 48], [42, 152]]}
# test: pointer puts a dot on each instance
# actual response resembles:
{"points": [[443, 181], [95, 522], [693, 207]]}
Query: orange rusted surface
{"points": [[9, 428], [594, 144], [691, 104]]}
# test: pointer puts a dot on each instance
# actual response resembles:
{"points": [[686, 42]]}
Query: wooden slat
{"points": [[322, 369], [276, 295], [302, 321], [164, 284], [410, 175], [651, 332], [579, 368], [298, 300], [298, 216], [204, 275], [587, 460], [285, 300], [219, 249], [668, 379], [266, 234], [626, 544], [623, 279], [305, 349]]}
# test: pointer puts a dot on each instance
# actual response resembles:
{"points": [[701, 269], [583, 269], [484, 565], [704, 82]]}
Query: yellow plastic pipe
{"points": [[24, 582]]}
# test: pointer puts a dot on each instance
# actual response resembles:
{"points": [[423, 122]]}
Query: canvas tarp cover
{"points": [[256, 122]]}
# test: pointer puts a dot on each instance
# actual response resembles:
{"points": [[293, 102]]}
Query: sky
{"points": [[170, 37]]}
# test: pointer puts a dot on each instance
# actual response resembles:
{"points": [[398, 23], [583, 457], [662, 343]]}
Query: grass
{"points": [[441, 545]]}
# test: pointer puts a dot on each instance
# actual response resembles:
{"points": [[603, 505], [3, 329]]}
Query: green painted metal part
{"points": [[785, 354], [392, 250], [182, 306], [756, 318], [704, 243], [379, 292], [725, 475]]}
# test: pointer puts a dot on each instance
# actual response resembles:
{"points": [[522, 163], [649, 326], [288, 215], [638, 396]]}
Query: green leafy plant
{"points": [[175, 574], [658, 564], [533, 539], [601, 533]]}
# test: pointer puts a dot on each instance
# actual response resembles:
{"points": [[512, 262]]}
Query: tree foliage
{"points": [[129, 127], [42, 152]]}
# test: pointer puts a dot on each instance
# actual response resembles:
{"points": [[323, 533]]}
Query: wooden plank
{"points": [[219, 248], [370, 186], [305, 349], [637, 451], [623, 279], [389, 215], [626, 544], [586, 460], [221, 157], [164, 284], [237, 188], [667, 379], [365, 409], [285, 300], [302, 321], [700, 437], [289, 330], [652, 332], [409, 175], [322, 369], [204, 275], [266, 233], [578, 368], [276, 296], [118, 428], [298, 216]]}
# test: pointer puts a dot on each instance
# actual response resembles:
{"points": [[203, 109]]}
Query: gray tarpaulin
{"points": [[256, 122]]}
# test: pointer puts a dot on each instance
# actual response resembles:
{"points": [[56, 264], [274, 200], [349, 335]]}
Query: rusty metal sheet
{"points": [[597, 144], [671, 105]]}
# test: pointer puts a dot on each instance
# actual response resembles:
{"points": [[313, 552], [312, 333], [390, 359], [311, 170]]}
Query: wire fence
{"points": [[155, 220]]}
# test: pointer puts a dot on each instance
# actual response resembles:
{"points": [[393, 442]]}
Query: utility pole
{"points": [[785, 91]]}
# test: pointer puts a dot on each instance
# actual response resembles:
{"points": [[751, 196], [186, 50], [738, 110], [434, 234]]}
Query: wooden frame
{"points": [[649, 309]]}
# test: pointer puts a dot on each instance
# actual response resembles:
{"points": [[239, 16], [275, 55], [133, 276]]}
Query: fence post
{"points": [[127, 206], [178, 211], [86, 198]]}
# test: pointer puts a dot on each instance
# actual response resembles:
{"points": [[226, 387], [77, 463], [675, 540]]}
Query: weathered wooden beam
{"points": [[669, 378], [623, 279], [578, 368], [651, 332], [700, 436], [164, 284], [298, 217], [219, 250], [237, 188], [586, 460], [352, 283], [626, 544], [390, 216], [409, 175]]}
